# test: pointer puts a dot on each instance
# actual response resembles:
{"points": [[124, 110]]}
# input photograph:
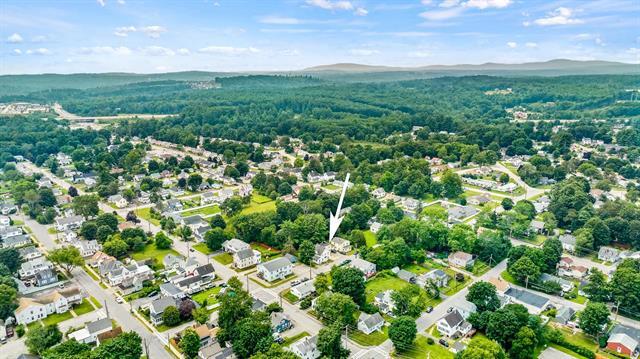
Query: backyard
{"points": [[370, 238], [266, 252], [369, 340], [259, 203], [83, 308], [152, 252], [145, 213], [209, 295], [202, 248], [202, 211], [422, 349], [381, 283]]}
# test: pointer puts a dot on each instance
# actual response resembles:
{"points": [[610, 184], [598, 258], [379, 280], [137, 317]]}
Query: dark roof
{"points": [[623, 329], [205, 269], [454, 318], [99, 325], [527, 297]]}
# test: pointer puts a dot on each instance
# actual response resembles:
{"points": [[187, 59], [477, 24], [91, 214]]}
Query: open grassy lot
{"points": [[83, 308], [203, 211], [146, 214], [273, 284], [370, 238], [421, 349], [209, 295], [202, 248], [223, 258], [266, 252], [374, 339], [288, 296], [295, 338], [331, 187], [254, 207], [480, 268], [454, 286], [95, 302], [381, 283], [57, 318], [258, 198], [152, 252]]}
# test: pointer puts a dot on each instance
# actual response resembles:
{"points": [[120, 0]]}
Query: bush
{"points": [[20, 330], [305, 303], [430, 341], [556, 337]]}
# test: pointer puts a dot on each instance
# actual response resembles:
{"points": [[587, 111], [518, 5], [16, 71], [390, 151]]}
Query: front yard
{"points": [[203, 211], [202, 248], [223, 258], [374, 339], [57, 318], [83, 308], [145, 213], [423, 350], [381, 283]]}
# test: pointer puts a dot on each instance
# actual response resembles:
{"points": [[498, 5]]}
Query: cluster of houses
{"points": [[33, 308], [490, 185]]}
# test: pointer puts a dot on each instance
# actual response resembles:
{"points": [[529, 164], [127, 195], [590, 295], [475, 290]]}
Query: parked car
{"points": [[429, 309], [345, 262], [443, 342], [119, 299], [152, 294]]}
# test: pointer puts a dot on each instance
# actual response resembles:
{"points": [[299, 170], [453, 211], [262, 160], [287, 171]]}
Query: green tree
{"points": [[252, 334], [306, 252], [214, 238], [171, 316], [86, 206], [186, 234], [333, 307], [67, 257], [275, 352], [349, 281], [524, 270], [125, 346], [597, 288], [482, 348], [108, 219], [8, 300], [594, 318], [70, 349], [330, 342], [402, 333], [321, 283], [103, 233], [484, 296], [218, 221], [11, 258], [163, 241], [115, 247], [200, 315], [451, 184], [232, 206], [524, 344], [89, 230], [504, 323], [40, 339], [190, 343]]}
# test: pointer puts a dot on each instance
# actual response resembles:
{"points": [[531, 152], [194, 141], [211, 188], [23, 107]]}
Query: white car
{"points": [[119, 299]]}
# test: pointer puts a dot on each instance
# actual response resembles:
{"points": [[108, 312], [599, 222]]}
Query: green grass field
{"points": [[265, 252], [454, 286], [95, 302], [151, 251], [209, 295], [57, 318], [90, 273], [83, 308], [331, 187], [289, 297], [422, 350], [259, 207], [258, 198], [145, 213], [202, 248], [370, 238], [290, 340], [224, 258], [204, 211], [374, 339], [382, 283]]}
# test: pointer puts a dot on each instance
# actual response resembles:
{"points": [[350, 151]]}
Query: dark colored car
{"points": [[429, 309], [443, 343]]}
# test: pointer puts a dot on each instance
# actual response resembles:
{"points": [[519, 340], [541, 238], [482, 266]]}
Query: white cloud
{"points": [[486, 4], [157, 51], [121, 2], [17, 52], [419, 54], [436, 15], [15, 38], [183, 52], [531, 45], [277, 20], [363, 52], [39, 38], [361, 11], [512, 44], [101, 2], [331, 5], [228, 50], [105, 50], [39, 51], [560, 16], [153, 31], [449, 3], [426, 2], [123, 31]]}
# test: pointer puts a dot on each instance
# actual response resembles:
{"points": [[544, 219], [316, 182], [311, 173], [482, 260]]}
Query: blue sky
{"points": [[222, 35]]}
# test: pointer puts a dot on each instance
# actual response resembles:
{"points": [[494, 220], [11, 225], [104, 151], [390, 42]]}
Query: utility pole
{"points": [[617, 310], [526, 285], [106, 308], [247, 276], [146, 348]]}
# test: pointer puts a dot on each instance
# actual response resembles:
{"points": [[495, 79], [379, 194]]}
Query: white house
{"points": [[275, 269], [118, 201], [608, 254], [379, 193], [366, 267], [568, 242], [534, 303], [207, 198], [303, 289], [322, 253], [4, 222], [66, 223], [10, 231], [245, 190], [246, 258], [438, 276], [340, 245], [454, 324], [158, 306], [306, 348], [460, 259], [87, 248], [58, 301], [384, 302], [369, 323], [234, 245], [32, 267], [89, 334]]}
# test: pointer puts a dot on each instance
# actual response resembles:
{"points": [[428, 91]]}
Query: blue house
{"points": [[280, 322]]}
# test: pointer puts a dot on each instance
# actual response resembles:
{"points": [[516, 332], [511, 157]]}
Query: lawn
{"points": [[202, 248], [146, 214], [295, 338], [258, 198], [224, 258], [259, 207], [203, 211], [266, 252], [480, 268], [57, 318], [276, 283], [52, 230], [381, 283], [83, 308], [152, 252], [289, 297], [454, 286], [421, 349], [370, 238], [433, 331], [95, 302], [90, 273], [331, 187], [374, 339], [209, 295]]}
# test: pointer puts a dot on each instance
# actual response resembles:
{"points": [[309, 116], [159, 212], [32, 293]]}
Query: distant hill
{"points": [[549, 68]]}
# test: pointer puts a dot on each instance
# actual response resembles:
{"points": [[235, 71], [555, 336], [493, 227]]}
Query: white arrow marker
{"points": [[334, 221]]}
